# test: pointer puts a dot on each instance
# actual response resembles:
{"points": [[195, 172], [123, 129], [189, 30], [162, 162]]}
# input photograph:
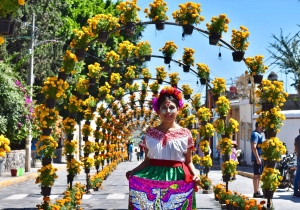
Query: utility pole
{"points": [[29, 138]]}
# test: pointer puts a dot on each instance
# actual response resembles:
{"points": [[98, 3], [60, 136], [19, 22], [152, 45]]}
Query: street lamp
{"points": [[30, 81]]}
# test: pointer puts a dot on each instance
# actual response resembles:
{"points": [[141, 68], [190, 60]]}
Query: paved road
{"points": [[114, 194]]}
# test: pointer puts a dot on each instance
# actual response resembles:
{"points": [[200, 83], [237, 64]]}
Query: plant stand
{"points": [[70, 179], [87, 171]]}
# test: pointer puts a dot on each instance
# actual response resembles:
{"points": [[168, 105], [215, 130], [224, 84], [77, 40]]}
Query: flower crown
{"points": [[168, 91]]}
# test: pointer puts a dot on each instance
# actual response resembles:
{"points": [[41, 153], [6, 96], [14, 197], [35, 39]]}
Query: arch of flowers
{"points": [[114, 122]]}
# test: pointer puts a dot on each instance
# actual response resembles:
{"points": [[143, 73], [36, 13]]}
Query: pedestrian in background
{"points": [[297, 176], [256, 139], [233, 155], [130, 151], [141, 149]]}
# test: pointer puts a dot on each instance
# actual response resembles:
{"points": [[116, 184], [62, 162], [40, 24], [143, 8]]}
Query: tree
{"points": [[287, 55]]}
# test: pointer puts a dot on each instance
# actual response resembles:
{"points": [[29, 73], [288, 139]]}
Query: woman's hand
{"points": [[128, 174], [196, 180]]}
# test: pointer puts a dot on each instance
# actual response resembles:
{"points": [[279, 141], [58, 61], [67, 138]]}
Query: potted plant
{"points": [[46, 145], [219, 87], [147, 74], [126, 50], [103, 90], [231, 127], [129, 13], [217, 26], [207, 130], [132, 87], [74, 104], [272, 150], [95, 181], [112, 58], [86, 130], [256, 67], [204, 114], [8, 9], [205, 182], [157, 13], [143, 50], [219, 125], [187, 91], [239, 40], [88, 147], [271, 121], [144, 87], [174, 78], [161, 74], [196, 159], [225, 146], [130, 73], [69, 61], [69, 125], [188, 59], [271, 92], [101, 24], [119, 93], [196, 101], [154, 87], [82, 87], [70, 147], [45, 117], [4, 147], [168, 51], [206, 161], [115, 79], [109, 99], [203, 72], [186, 18], [74, 167], [46, 176], [270, 179], [223, 106], [54, 88], [88, 114], [229, 167], [95, 71], [88, 162], [80, 42], [190, 121]]}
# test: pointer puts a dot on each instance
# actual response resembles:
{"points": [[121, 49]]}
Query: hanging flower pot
{"points": [[47, 131], [50, 103], [226, 157], [4, 25], [70, 137], [86, 154], [160, 25], [147, 57], [267, 106], [146, 80], [190, 127], [186, 97], [167, 59], [269, 134], [257, 79], [92, 81], [73, 115], [214, 38], [188, 29], [62, 75], [46, 191], [85, 138], [270, 164], [70, 178], [155, 92], [186, 68], [268, 194], [103, 36], [144, 91], [159, 81], [97, 167], [206, 170], [87, 170], [80, 54], [87, 122], [226, 177], [46, 161], [130, 81], [238, 56], [70, 157], [130, 26], [203, 81]]}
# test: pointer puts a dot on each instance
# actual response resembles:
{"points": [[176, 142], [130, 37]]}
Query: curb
{"points": [[26, 177], [245, 174]]}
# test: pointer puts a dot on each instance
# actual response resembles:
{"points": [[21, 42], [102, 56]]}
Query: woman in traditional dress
{"points": [[166, 179]]}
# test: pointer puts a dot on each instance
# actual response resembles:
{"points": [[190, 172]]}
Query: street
{"points": [[114, 192]]}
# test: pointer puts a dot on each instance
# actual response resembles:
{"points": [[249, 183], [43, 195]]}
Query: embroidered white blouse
{"points": [[171, 145]]}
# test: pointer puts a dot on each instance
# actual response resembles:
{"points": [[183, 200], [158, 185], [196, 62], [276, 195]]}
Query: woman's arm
{"points": [[189, 163], [143, 165]]}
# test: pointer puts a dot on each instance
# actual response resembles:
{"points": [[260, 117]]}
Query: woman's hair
{"points": [[164, 97]]}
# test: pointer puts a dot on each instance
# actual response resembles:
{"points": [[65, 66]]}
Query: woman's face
{"points": [[168, 111]]}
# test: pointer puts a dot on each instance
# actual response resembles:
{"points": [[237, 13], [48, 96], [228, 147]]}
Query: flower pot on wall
{"points": [[103, 36], [214, 38], [80, 54], [257, 79], [238, 56], [188, 29], [160, 25]]}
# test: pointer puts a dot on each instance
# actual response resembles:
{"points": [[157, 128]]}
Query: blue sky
{"points": [[262, 17]]}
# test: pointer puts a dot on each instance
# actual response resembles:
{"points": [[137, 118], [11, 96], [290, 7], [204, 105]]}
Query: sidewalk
{"points": [[6, 179]]}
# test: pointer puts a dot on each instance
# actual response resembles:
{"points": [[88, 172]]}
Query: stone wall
{"points": [[14, 159]]}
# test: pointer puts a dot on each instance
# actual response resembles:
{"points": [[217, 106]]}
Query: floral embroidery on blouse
{"points": [[169, 136]]}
